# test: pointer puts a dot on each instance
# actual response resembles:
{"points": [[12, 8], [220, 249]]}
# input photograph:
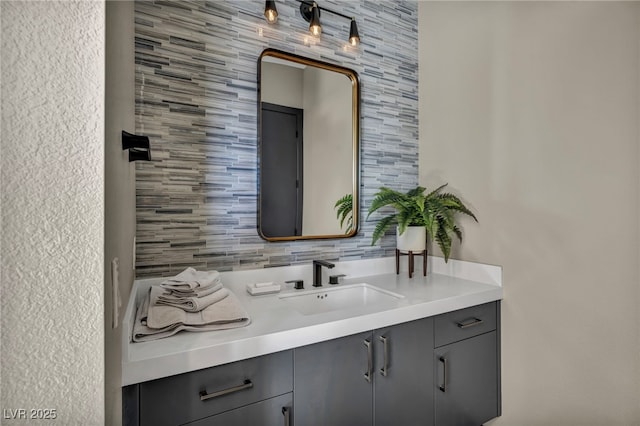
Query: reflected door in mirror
{"points": [[281, 166]]}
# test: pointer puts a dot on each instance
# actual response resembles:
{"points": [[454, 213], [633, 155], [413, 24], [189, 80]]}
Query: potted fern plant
{"points": [[429, 215]]}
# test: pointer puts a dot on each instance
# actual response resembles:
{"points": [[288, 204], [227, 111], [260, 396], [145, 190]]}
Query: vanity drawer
{"points": [[464, 323], [271, 412], [191, 396]]}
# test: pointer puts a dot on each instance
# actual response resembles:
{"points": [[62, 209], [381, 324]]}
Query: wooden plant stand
{"points": [[411, 254]]}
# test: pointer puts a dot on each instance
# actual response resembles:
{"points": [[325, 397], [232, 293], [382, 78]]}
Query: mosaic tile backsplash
{"points": [[196, 99]]}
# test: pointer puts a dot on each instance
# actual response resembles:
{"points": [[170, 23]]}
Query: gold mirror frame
{"points": [[355, 141]]}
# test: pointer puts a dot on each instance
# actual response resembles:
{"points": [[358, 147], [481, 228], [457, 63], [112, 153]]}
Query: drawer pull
{"points": [[385, 365], [286, 412], [367, 375], [246, 385], [443, 387], [470, 323]]}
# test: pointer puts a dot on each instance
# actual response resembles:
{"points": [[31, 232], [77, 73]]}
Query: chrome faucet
{"points": [[317, 271]]}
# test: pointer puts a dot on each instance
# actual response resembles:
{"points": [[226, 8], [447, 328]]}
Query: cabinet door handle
{"points": [[443, 386], [367, 375], [246, 385], [286, 412], [470, 322], [385, 350]]}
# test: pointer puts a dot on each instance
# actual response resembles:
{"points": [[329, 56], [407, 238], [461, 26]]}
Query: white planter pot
{"points": [[414, 239]]}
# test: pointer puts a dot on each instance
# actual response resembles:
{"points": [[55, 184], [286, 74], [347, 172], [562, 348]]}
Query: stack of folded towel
{"points": [[193, 301]]}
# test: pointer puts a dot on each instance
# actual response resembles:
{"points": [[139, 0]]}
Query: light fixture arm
{"points": [[310, 11], [310, 5]]}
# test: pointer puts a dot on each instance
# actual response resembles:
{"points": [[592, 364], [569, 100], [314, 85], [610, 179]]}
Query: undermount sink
{"points": [[348, 296]]}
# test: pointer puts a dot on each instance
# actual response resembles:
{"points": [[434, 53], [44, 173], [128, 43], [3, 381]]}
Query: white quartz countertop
{"points": [[276, 326]]}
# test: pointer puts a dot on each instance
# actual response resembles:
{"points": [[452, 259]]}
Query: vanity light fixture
{"points": [[270, 11], [310, 11]]}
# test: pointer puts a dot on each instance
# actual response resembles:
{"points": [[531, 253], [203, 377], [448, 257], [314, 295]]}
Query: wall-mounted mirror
{"points": [[309, 147]]}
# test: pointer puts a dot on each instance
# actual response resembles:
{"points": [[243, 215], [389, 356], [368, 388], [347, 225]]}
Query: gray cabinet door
{"points": [[271, 412], [403, 380], [329, 382], [467, 381]]}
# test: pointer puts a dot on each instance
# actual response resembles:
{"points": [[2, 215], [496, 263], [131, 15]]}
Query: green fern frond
{"points": [[345, 200], [435, 191], [345, 208], [453, 202], [416, 192], [344, 211], [381, 227], [444, 241], [458, 232], [386, 197]]}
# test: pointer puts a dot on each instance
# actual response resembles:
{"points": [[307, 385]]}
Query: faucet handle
{"points": [[297, 284], [335, 279]]}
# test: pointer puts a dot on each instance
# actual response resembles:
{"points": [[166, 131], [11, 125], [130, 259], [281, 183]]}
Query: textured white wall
{"points": [[530, 111], [52, 151]]}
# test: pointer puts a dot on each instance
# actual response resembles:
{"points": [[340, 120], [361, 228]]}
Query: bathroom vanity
{"points": [[428, 354]]}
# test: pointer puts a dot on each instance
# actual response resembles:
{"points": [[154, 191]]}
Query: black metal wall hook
{"points": [[138, 146]]}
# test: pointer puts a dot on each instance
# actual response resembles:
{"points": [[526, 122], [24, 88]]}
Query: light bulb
{"points": [[272, 16], [270, 11], [316, 30]]}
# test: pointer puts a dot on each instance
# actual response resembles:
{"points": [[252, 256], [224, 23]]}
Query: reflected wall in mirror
{"points": [[309, 147]]}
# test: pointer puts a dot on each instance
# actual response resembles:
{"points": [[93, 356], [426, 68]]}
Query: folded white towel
{"points": [[190, 279], [192, 304], [226, 310], [226, 314], [175, 296]]}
